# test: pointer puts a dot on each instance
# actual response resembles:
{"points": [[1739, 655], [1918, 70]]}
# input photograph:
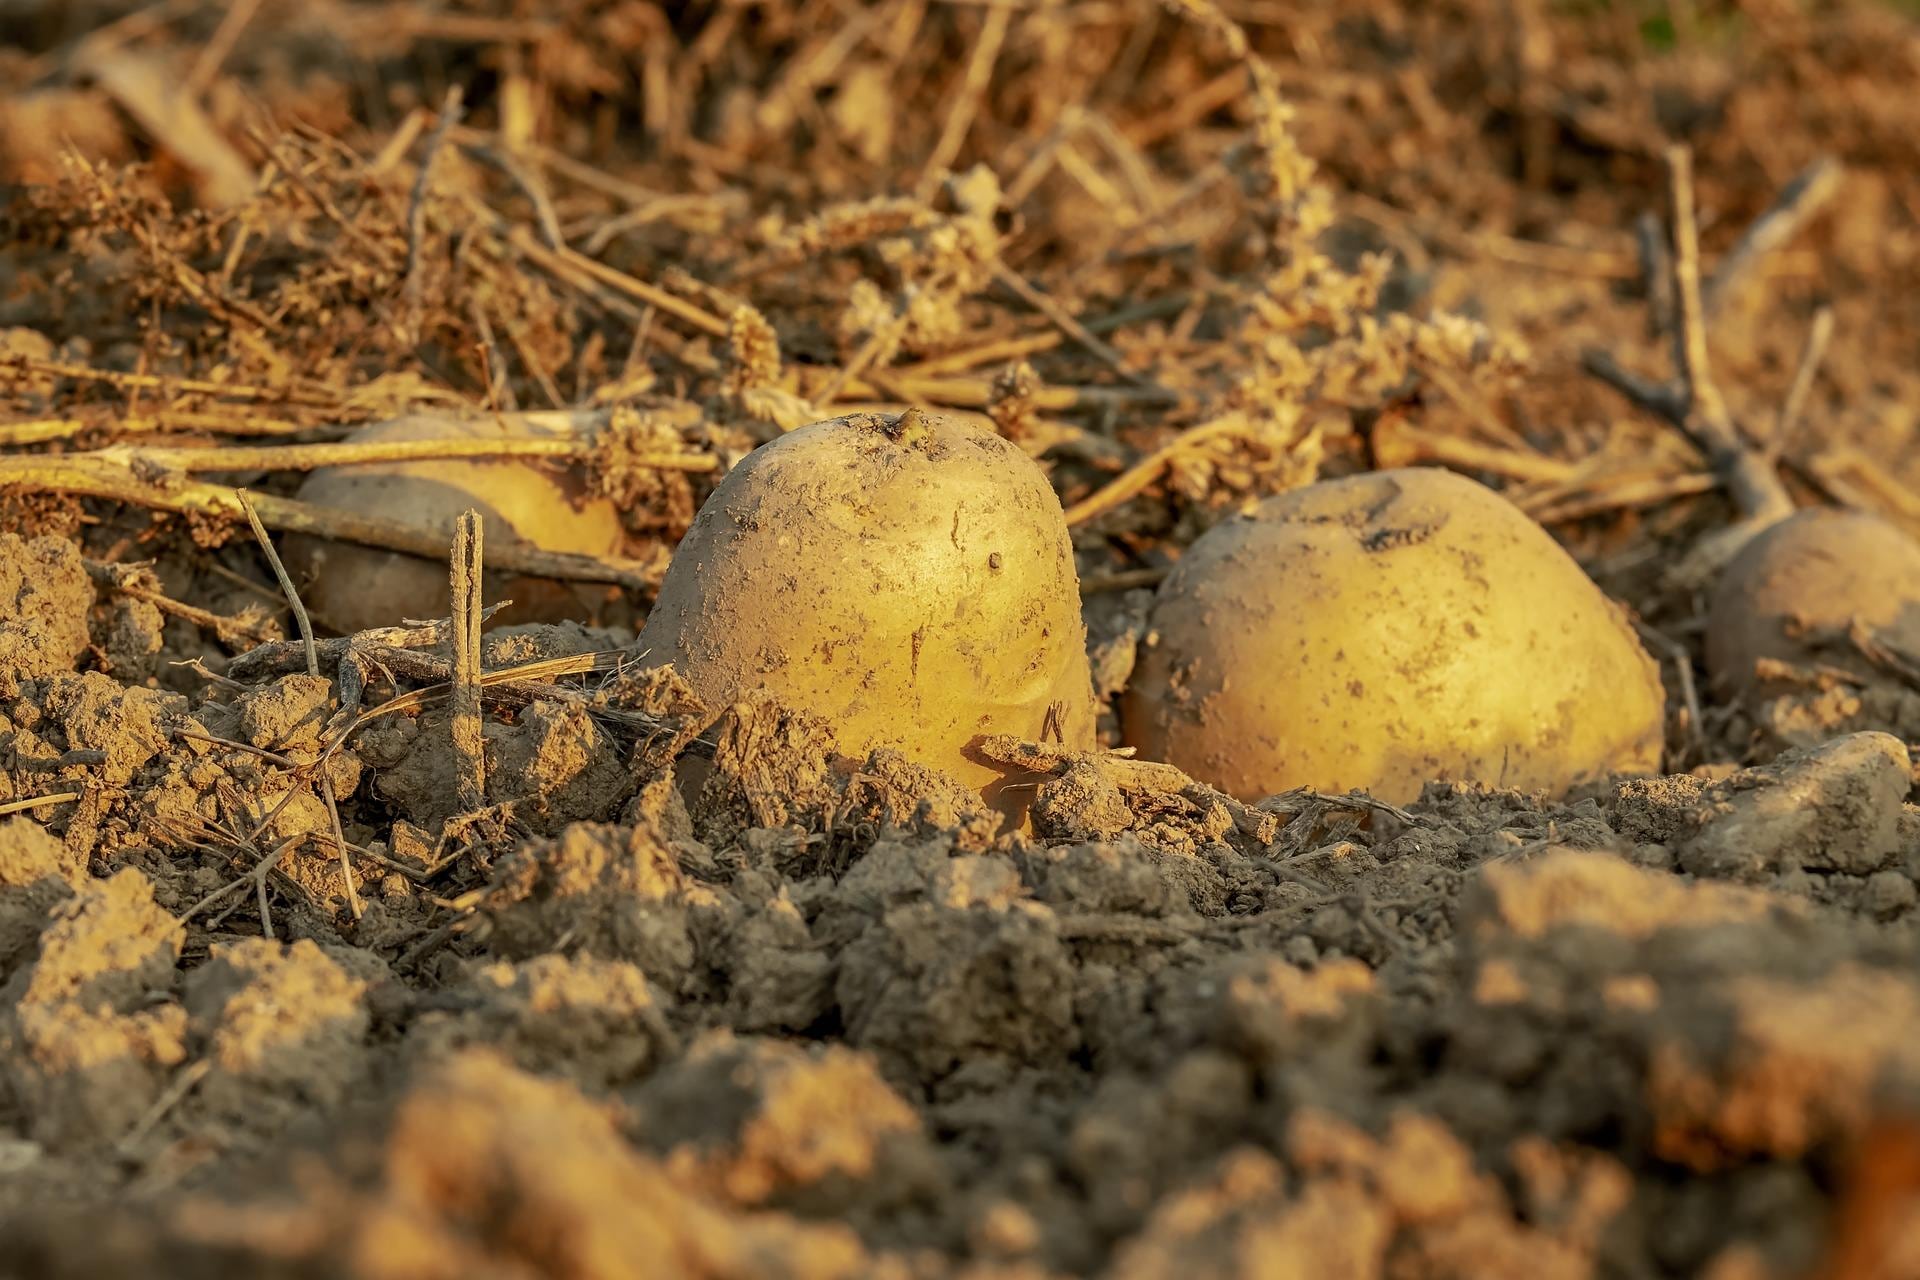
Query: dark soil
{"points": [[691, 992]]}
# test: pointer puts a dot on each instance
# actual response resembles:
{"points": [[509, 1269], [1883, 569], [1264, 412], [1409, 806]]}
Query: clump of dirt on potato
{"points": [[1383, 631], [519, 500], [908, 579]]}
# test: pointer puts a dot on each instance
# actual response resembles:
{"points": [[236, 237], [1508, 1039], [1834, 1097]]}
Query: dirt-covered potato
{"points": [[1794, 592], [908, 579], [1385, 630], [354, 587]]}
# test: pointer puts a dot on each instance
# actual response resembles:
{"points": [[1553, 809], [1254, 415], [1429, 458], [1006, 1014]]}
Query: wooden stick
{"points": [[1690, 355], [469, 748], [37, 802]]}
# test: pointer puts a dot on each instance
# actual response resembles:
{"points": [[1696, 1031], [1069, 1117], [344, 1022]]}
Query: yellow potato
{"points": [[910, 580], [1817, 573], [1385, 630], [354, 587]]}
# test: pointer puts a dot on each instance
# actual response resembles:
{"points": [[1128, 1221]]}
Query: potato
{"points": [[910, 580], [354, 587], [1384, 630], [1818, 571]]}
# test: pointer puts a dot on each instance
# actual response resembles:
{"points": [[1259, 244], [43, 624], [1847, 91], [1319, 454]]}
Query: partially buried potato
{"points": [[1795, 591], [354, 587], [908, 579], [1385, 630]]}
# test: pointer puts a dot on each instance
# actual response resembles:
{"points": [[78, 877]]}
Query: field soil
{"points": [[296, 980]]}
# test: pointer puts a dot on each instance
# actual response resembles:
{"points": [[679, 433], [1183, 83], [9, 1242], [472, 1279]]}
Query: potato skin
{"points": [[1385, 630], [354, 587], [1822, 569], [912, 584]]}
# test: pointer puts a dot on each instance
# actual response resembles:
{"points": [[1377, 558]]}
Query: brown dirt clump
{"points": [[91, 1029], [46, 596], [305, 973]]}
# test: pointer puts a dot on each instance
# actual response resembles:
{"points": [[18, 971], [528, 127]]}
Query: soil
{"points": [[689, 990]]}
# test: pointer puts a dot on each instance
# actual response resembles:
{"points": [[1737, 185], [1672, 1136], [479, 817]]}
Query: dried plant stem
{"points": [[1136, 479], [1558, 505], [256, 877], [1795, 404], [870, 350], [966, 102], [340, 842], [1791, 210], [172, 1096], [278, 656], [46, 430], [312, 397], [20, 435], [313, 669], [121, 480], [1682, 660], [120, 579], [561, 262], [219, 45], [1848, 465], [1471, 455], [469, 756], [280, 573], [1121, 580], [1057, 315], [38, 802], [977, 393], [1693, 403], [1706, 407], [997, 350], [376, 252], [450, 112], [311, 457], [1656, 273]]}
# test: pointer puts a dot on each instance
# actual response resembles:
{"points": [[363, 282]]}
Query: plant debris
{"points": [[460, 944]]}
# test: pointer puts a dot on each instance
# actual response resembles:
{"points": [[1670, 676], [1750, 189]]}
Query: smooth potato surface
{"points": [[1814, 573], [354, 587], [1385, 630], [911, 583]]}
